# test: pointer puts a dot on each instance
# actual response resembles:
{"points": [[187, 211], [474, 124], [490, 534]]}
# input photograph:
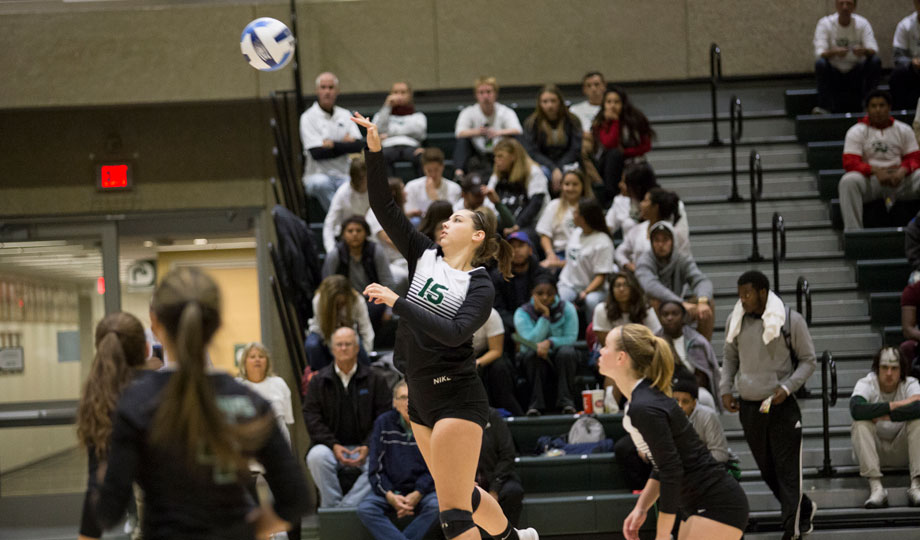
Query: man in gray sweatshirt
{"points": [[765, 371], [667, 274]]}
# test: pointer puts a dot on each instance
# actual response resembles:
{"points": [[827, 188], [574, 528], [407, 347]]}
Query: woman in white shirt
{"points": [[588, 258], [337, 304], [402, 129], [556, 224], [638, 178], [658, 205], [495, 370], [256, 372]]}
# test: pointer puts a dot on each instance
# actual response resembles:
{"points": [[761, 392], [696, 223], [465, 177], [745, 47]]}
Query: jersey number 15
{"points": [[433, 290]]}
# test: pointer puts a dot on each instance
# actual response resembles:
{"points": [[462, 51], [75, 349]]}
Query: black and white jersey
{"points": [[681, 462], [444, 306]]}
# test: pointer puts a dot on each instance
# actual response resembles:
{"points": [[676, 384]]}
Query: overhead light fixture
{"points": [[200, 241], [148, 243]]}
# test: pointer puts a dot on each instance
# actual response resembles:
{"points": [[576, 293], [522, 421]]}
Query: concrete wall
{"points": [[163, 51]]}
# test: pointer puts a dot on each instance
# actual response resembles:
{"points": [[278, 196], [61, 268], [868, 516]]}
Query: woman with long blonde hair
{"points": [[121, 350], [336, 304], [187, 435], [519, 183], [685, 477], [557, 223]]}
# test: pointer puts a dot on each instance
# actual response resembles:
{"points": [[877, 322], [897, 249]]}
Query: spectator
{"points": [[759, 364], [905, 77], [495, 370], [626, 303], [423, 191], [549, 327], [362, 261], [912, 249], [400, 482], [705, 421], [692, 351], [881, 163], [337, 304], [886, 425], [476, 195], [437, 214], [328, 136], [557, 221], [399, 267], [593, 86], [519, 184], [496, 473], [480, 126], [619, 131], [846, 66], [917, 121], [658, 205], [512, 293], [349, 200], [552, 136], [339, 408], [638, 179], [402, 129], [256, 373], [588, 258], [665, 274]]}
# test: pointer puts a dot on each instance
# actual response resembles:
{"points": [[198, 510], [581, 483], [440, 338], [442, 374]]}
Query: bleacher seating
{"points": [[855, 282]]}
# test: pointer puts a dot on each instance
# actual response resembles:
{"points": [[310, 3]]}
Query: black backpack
{"points": [[802, 392]]}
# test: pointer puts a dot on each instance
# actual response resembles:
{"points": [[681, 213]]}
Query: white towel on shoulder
{"points": [[774, 317]]}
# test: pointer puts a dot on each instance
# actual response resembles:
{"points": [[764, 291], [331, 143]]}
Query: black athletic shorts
{"points": [[724, 502], [464, 398]]}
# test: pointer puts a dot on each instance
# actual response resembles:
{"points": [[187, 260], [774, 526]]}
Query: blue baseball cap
{"points": [[521, 236]]}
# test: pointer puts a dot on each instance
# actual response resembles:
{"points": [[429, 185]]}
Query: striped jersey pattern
{"points": [[437, 287]]}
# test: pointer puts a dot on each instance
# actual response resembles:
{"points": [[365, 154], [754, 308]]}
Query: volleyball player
{"points": [[449, 298], [685, 477], [186, 435]]}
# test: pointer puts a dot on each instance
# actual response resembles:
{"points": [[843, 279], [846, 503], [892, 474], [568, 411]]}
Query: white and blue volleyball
{"points": [[267, 44]]}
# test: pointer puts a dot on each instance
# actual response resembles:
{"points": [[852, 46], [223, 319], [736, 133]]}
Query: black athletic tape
{"points": [[455, 522], [477, 498]]}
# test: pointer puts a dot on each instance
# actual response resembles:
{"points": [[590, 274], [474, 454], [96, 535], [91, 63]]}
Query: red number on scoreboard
{"points": [[114, 176]]}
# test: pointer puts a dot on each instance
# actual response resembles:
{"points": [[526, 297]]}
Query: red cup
{"points": [[587, 401]]}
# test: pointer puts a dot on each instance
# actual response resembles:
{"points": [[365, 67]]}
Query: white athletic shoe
{"points": [[528, 534], [878, 496]]}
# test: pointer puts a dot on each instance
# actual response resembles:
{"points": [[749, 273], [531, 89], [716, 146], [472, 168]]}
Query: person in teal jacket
{"points": [[547, 328]]}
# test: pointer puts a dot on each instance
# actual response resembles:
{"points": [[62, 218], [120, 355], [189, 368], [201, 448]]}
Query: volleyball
{"points": [[267, 44]]}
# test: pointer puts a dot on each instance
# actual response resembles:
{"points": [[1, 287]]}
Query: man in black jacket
{"points": [[343, 400], [495, 473]]}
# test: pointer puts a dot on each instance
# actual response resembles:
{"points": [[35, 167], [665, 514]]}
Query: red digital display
{"points": [[113, 176]]}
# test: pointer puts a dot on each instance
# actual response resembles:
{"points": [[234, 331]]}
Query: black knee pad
{"points": [[477, 498], [455, 522]]}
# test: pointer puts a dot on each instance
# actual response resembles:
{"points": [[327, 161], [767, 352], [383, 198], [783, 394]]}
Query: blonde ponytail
{"points": [[649, 355]]}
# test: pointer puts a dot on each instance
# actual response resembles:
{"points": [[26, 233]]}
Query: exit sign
{"points": [[114, 176]]}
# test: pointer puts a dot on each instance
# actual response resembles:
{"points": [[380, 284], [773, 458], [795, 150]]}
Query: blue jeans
{"points": [[322, 186], [375, 513], [591, 301], [324, 468]]}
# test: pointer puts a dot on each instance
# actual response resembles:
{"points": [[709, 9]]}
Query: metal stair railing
{"points": [[779, 247], [828, 400], [756, 168], [803, 290], [736, 125], [715, 74]]}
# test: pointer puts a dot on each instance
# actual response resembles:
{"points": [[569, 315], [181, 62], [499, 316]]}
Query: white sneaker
{"points": [[528, 534], [878, 497], [913, 496], [819, 110]]}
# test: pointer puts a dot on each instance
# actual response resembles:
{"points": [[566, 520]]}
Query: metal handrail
{"points": [[779, 248], [715, 74], [756, 169], [828, 400], [736, 124], [295, 71], [802, 289]]}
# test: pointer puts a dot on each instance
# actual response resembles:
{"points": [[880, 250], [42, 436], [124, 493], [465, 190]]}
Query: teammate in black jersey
{"points": [[685, 478], [450, 296], [187, 436]]}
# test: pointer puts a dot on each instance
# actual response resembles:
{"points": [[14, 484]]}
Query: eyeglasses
{"points": [[401, 398]]}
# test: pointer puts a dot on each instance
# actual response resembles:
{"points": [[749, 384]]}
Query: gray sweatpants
{"points": [[873, 453], [856, 190]]}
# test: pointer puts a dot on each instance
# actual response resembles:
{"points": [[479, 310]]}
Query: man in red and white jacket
{"points": [[881, 157]]}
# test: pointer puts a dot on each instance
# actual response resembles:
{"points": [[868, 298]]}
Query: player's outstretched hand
{"points": [[373, 138], [633, 522], [379, 294]]}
